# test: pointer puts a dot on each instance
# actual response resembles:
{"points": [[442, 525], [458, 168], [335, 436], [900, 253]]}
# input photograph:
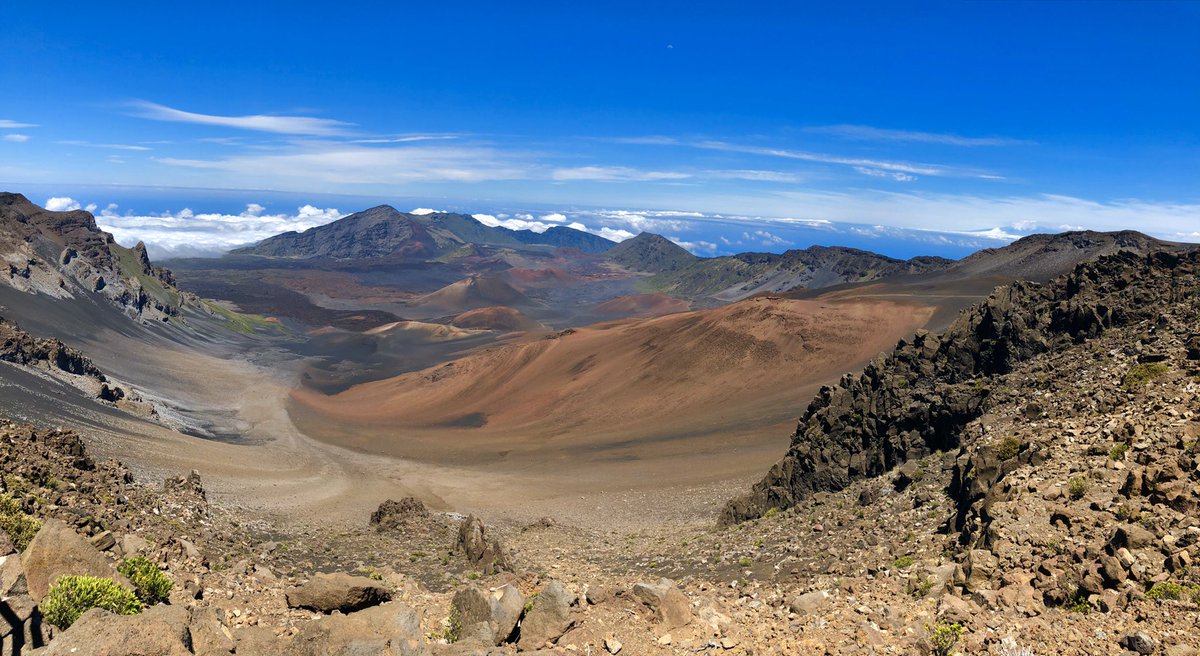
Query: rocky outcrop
{"points": [[481, 547], [917, 400], [392, 515], [65, 254]]}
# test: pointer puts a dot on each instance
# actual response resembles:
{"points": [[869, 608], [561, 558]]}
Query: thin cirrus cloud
{"points": [[293, 125], [900, 171], [615, 174], [16, 137], [109, 146], [9, 124], [869, 133], [348, 164]]}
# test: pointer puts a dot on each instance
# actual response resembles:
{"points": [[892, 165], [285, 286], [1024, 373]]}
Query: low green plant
{"points": [[943, 636], [922, 587], [149, 582], [745, 561], [1009, 448], [1077, 487], [1166, 590], [72, 596], [903, 562], [1117, 452], [771, 512], [453, 630], [19, 526], [1141, 374]]}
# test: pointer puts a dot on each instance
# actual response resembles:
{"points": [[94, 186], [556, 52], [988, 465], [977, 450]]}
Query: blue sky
{"points": [[936, 127]]}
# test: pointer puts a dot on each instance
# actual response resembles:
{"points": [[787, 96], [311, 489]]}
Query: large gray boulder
{"points": [[326, 593], [548, 619], [57, 550], [159, 631], [670, 606]]}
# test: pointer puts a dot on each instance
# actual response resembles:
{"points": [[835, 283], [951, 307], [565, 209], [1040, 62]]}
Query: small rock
{"points": [[1139, 642], [612, 645], [809, 602]]}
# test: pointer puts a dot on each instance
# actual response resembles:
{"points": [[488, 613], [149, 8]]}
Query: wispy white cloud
{"points": [[300, 125], [16, 137], [904, 167], [9, 124], [107, 146], [350, 164], [615, 174], [406, 139], [869, 133], [754, 175], [892, 175]]}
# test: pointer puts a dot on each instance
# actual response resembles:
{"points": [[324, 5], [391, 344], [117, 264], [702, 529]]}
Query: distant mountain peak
{"points": [[650, 253], [384, 231]]}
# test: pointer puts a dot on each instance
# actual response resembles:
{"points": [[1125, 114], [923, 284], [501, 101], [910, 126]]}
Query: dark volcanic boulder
{"points": [[396, 514]]}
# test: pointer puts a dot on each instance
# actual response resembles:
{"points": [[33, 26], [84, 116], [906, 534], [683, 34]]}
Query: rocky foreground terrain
{"points": [[1024, 484]]}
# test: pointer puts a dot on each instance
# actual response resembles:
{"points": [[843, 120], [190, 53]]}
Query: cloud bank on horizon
{"points": [[777, 129]]}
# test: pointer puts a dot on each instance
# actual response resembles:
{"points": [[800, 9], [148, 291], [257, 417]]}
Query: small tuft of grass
{"points": [[903, 562], [1009, 448], [1077, 487], [1117, 452]]}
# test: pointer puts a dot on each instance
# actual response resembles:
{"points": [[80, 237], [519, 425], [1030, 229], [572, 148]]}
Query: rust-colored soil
{"points": [[641, 305]]}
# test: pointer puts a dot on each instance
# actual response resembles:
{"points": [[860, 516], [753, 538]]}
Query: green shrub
{"points": [[745, 561], [150, 584], [19, 526], [943, 636], [1117, 452], [1141, 374], [903, 562], [922, 587], [1077, 487], [1166, 590], [771, 512], [1009, 448], [72, 596]]}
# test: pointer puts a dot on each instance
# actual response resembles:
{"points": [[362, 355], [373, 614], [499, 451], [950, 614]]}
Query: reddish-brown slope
{"points": [[660, 383]]}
